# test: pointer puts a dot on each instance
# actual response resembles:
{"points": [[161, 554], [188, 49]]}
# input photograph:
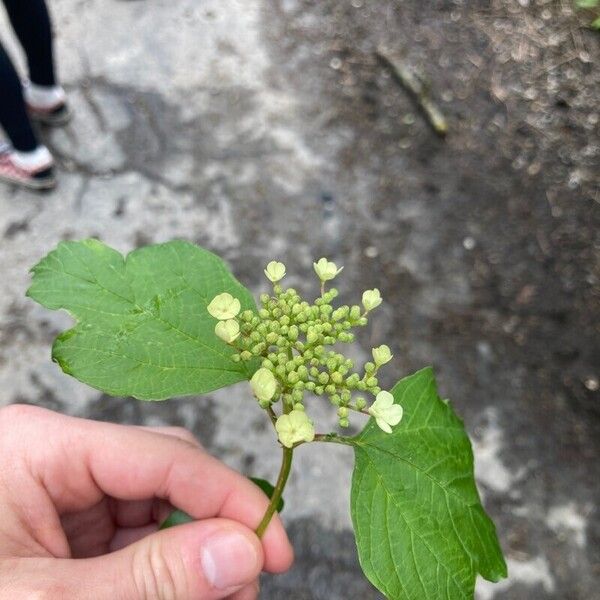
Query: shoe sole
{"points": [[52, 120], [33, 184]]}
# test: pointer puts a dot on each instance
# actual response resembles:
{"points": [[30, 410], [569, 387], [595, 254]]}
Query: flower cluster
{"points": [[292, 338]]}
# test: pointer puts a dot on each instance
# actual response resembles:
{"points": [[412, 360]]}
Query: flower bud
{"points": [[326, 270], [360, 403], [224, 307], [382, 355], [228, 330], [371, 299], [264, 385], [275, 271]]}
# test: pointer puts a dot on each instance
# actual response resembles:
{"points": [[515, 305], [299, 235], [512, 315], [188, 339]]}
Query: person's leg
{"points": [[13, 114], [45, 99], [25, 162], [31, 22]]}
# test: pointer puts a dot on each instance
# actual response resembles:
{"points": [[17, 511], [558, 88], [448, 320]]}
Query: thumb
{"points": [[205, 560]]}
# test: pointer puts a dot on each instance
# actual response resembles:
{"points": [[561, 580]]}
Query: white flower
{"points": [[294, 427], [224, 307], [371, 299], [264, 385], [228, 330], [275, 271], [385, 412], [326, 270], [382, 355]]}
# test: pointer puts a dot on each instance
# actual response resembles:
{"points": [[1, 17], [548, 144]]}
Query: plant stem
{"points": [[284, 471], [333, 438]]}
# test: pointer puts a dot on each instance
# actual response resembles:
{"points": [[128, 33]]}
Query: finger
{"points": [[250, 592], [179, 432], [207, 560], [89, 459], [129, 535]]}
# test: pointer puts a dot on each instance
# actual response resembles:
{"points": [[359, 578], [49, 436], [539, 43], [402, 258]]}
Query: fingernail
{"points": [[228, 560]]}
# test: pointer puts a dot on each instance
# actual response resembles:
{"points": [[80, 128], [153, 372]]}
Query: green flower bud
{"points": [[264, 385], [297, 395], [235, 358], [355, 312], [353, 380], [245, 355], [369, 367], [312, 337], [344, 422], [310, 386], [224, 307], [372, 382], [335, 399], [326, 270], [271, 337], [361, 403], [263, 313], [275, 271], [345, 395], [323, 378], [340, 313], [319, 390], [363, 321], [259, 348], [337, 378], [361, 385], [264, 299], [330, 389], [342, 411], [247, 316]]}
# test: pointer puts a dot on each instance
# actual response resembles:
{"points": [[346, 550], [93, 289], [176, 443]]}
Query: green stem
{"points": [[284, 472], [333, 438]]}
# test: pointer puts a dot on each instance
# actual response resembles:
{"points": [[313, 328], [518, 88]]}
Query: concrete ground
{"points": [[267, 129]]}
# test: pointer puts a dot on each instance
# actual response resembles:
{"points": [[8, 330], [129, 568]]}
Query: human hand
{"points": [[77, 489]]}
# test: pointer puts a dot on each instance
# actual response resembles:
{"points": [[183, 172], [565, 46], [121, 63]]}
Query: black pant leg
{"points": [[31, 22], [13, 114]]}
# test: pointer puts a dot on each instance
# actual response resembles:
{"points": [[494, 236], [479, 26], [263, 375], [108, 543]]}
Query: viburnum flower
{"points": [[294, 427], [275, 271], [264, 385], [224, 307], [371, 299], [385, 412], [326, 270], [228, 330], [382, 355]]}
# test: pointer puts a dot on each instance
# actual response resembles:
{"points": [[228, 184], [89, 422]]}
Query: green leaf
{"points": [[420, 528], [268, 489], [177, 517], [588, 3], [143, 329], [595, 24]]}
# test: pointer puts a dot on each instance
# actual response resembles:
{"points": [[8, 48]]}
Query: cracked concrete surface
{"points": [[265, 129]]}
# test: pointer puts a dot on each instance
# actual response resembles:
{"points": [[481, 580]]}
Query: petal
{"points": [[384, 400], [384, 426], [394, 414]]}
